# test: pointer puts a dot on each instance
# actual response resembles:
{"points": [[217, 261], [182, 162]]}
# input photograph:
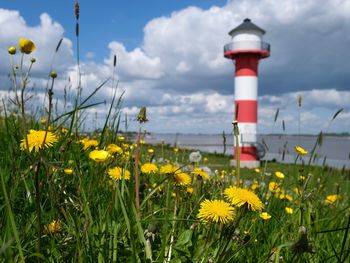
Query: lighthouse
{"points": [[246, 49]]}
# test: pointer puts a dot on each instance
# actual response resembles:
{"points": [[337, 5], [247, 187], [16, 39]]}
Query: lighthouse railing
{"points": [[247, 45]]}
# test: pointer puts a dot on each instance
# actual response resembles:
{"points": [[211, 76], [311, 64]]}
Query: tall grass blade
{"points": [[94, 92], [337, 113], [58, 45], [11, 217], [346, 233], [276, 114]]}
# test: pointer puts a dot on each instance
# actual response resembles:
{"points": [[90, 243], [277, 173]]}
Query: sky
{"points": [[170, 59]]}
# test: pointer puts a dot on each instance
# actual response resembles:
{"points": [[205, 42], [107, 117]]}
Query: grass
{"points": [[59, 204], [98, 220]]}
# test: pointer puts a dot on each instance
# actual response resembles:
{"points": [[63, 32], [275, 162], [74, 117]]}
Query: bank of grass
{"points": [[86, 216], [79, 197]]}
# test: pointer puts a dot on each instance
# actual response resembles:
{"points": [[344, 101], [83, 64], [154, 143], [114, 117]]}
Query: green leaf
{"points": [[184, 242]]}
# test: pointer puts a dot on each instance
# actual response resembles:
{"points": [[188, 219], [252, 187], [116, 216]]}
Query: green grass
{"points": [[100, 222]]}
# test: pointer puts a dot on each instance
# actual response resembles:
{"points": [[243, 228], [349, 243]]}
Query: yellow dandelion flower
{"points": [[302, 178], [89, 143], [200, 172], [274, 187], [265, 215], [288, 210], [176, 150], [297, 190], [257, 170], [286, 196], [150, 151], [168, 169], [43, 121], [36, 140], [300, 150], [331, 199], [159, 188], [189, 190], [255, 185], [64, 130], [121, 138], [55, 227], [117, 173], [99, 155], [182, 179], [240, 196], [149, 168], [279, 175], [113, 148], [68, 171], [215, 211], [126, 146], [289, 197], [26, 46]]}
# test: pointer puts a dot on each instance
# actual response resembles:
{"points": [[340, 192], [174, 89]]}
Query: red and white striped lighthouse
{"points": [[246, 49]]}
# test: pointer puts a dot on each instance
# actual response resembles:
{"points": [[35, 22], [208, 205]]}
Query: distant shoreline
{"points": [[343, 134]]}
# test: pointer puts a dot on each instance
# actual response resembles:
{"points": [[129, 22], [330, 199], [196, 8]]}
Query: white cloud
{"points": [[90, 55], [134, 64], [183, 67], [318, 108], [217, 103]]}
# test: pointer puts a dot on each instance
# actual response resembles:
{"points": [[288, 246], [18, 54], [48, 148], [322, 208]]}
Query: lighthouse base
{"points": [[245, 164]]}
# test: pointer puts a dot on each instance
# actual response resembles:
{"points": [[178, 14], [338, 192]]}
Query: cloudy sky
{"points": [[170, 59]]}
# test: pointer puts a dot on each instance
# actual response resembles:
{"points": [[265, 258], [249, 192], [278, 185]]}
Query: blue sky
{"points": [[104, 22], [170, 59]]}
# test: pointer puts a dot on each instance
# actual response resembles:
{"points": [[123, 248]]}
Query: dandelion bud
{"points": [[77, 10], [115, 61], [235, 127], [142, 115], [12, 50], [300, 99], [32, 60], [53, 74]]}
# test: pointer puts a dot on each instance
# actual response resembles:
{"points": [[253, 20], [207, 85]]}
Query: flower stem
{"points": [[173, 230], [137, 182], [38, 208], [236, 132]]}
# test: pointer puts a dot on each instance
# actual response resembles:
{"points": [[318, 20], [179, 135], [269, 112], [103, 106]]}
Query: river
{"points": [[334, 151]]}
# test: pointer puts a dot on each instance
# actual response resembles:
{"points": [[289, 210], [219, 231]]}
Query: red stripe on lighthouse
{"points": [[247, 65], [246, 153], [246, 110]]}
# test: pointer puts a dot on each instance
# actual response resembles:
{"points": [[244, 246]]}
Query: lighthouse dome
{"points": [[247, 35]]}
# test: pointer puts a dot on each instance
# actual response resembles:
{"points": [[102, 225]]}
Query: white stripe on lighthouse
{"points": [[246, 88], [247, 133]]}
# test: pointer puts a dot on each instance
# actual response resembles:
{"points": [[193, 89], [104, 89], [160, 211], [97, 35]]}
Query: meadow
{"points": [[72, 196]]}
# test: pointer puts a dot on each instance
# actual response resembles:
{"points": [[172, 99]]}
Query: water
{"points": [[335, 150]]}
